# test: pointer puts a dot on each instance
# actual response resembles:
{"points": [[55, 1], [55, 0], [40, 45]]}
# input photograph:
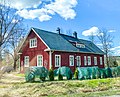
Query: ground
{"points": [[14, 85]]}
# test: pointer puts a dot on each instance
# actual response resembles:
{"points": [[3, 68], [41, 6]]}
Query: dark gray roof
{"points": [[60, 42], [54, 41]]}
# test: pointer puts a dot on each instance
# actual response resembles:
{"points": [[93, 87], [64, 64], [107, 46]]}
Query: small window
{"points": [[57, 60], [33, 42], [39, 60], [89, 60], [71, 60], [95, 60], [78, 58], [85, 61], [26, 61], [80, 45], [101, 62]]}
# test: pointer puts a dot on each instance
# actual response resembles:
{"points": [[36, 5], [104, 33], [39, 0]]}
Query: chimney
{"points": [[75, 34], [58, 30]]}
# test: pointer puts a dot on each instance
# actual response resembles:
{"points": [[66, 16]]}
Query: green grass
{"points": [[67, 88], [20, 75]]}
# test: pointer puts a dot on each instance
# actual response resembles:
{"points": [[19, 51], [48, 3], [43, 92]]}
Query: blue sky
{"points": [[74, 15]]}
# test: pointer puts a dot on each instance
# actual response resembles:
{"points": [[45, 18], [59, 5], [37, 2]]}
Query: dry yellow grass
{"points": [[15, 86]]}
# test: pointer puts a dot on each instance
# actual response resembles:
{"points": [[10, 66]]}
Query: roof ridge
{"points": [[45, 31]]}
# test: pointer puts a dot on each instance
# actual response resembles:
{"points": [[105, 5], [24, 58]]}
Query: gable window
{"points": [[101, 61], [39, 60], [79, 45], [26, 61], [95, 60], [89, 60], [71, 60], [57, 60], [78, 58], [33, 42], [85, 61]]}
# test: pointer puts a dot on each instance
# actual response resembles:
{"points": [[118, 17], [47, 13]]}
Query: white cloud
{"points": [[92, 31], [116, 50], [21, 4], [41, 14], [118, 47], [63, 8], [44, 9], [112, 31], [44, 18]]}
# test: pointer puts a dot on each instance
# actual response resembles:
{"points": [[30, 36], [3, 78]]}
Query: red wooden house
{"points": [[48, 49]]}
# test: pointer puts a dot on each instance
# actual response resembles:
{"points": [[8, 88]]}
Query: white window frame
{"points": [[85, 61], [101, 61], [78, 60], [33, 43], [95, 60], [57, 60], [38, 61], [71, 60], [89, 60], [80, 45], [26, 61]]}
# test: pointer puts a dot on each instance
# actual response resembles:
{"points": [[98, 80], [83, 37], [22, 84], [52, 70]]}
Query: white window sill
{"points": [[57, 66], [26, 66], [33, 47]]}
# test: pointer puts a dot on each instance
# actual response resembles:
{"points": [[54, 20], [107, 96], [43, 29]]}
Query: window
{"points": [[89, 60], [85, 61], [71, 60], [39, 60], [33, 42], [95, 60], [26, 61], [57, 60], [101, 61], [80, 45], [78, 58]]}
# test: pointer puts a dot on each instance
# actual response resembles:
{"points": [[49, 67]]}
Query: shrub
{"points": [[109, 72], [51, 75], [60, 77], [93, 73], [42, 78], [115, 63], [76, 74]]}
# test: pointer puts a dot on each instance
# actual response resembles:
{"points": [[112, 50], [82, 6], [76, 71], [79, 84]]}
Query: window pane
{"points": [[101, 61], [26, 61], [57, 60], [95, 60], [39, 60], [85, 61], [71, 59], [78, 60], [89, 60], [33, 42]]}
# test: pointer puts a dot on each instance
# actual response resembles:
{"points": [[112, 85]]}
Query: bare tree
{"points": [[106, 40], [92, 38], [11, 31], [9, 25], [9, 21], [14, 44]]}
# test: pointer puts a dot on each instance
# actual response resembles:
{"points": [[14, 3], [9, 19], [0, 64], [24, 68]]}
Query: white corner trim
{"points": [[50, 59]]}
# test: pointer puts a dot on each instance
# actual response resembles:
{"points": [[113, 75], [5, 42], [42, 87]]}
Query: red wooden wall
{"points": [[65, 59], [33, 52]]}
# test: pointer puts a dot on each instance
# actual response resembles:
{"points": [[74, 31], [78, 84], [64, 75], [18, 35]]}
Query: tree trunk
{"points": [[107, 61], [15, 65]]}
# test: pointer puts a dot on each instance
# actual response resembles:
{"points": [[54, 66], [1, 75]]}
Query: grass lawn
{"points": [[14, 85]]}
